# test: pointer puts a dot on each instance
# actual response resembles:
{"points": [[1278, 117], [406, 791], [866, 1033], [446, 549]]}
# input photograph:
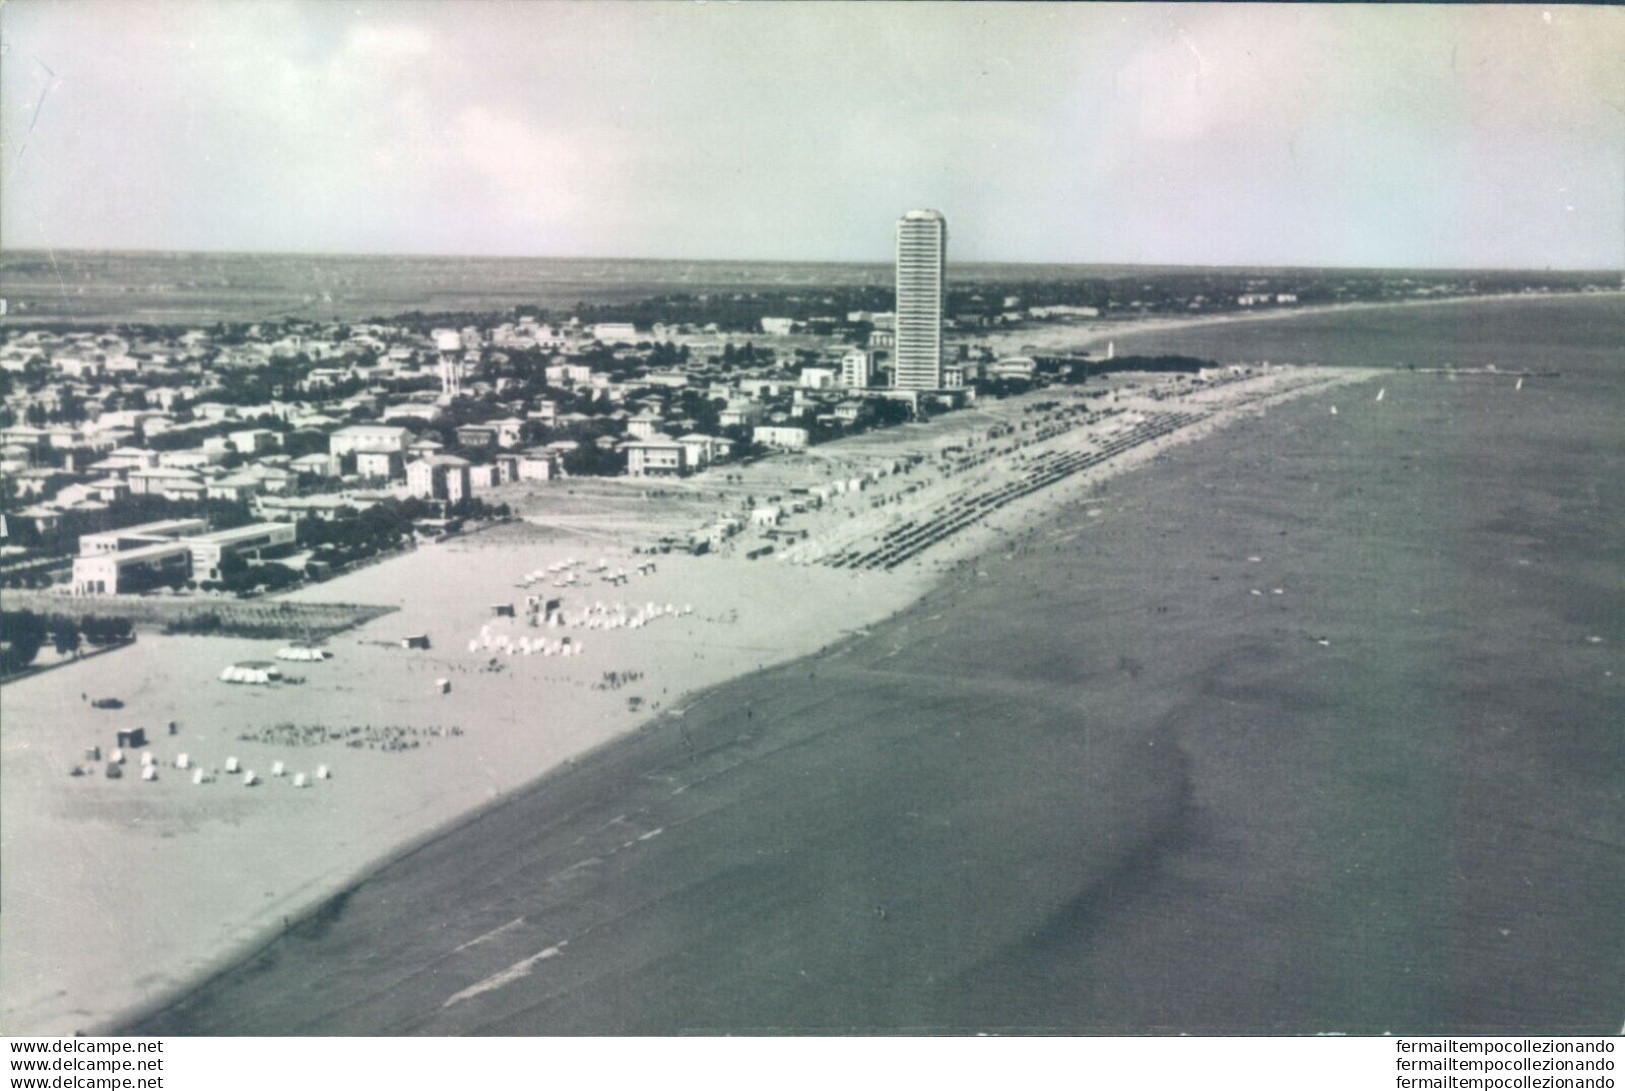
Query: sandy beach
{"points": [[1308, 728], [252, 860], [117, 891], [405, 759]]}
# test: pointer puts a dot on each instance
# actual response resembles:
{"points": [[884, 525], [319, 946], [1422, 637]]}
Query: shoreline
{"points": [[927, 577], [1090, 335], [336, 894], [924, 579], [1283, 826]]}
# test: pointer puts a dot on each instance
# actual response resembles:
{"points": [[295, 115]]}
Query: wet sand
{"points": [[1093, 782]]}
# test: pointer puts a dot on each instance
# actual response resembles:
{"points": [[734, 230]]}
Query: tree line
{"points": [[23, 633]]}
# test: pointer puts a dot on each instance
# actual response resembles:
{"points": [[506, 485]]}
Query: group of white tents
{"points": [[617, 615], [600, 615], [568, 573], [258, 672], [563, 573], [233, 768], [502, 643]]}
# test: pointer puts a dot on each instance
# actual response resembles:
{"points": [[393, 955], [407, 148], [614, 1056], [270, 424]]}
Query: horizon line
{"points": [[51, 251]]}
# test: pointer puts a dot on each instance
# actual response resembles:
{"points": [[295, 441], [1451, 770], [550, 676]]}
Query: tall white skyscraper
{"points": [[922, 256]]}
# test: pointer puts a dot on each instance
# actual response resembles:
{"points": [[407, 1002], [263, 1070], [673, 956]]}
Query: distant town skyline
{"points": [[1224, 135]]}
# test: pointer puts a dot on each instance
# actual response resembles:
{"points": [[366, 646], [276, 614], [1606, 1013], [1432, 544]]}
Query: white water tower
{"points": [[449, 343]]}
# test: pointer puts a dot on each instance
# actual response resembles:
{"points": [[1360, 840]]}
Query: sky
{"points": [[1223, 134]]}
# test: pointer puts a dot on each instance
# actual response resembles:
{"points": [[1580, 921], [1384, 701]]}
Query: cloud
{"points": [[1222, 133], [538, 173], [389, 40]]}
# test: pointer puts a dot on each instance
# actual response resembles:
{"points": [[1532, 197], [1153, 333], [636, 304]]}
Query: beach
{"points": [[1307, 728], [119, 891], [1090, 569], [405, 759]]}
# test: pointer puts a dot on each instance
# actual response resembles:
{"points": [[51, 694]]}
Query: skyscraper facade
{"points": [[922, 255]]}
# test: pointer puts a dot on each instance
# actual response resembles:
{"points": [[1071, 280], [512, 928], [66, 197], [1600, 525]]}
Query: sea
{"points": [[1311, 726]]}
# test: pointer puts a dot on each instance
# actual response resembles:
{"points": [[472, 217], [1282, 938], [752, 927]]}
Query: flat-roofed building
{"points": [[144, 534], [129, 571], [538, 464], [369, 437], [782, 437], [256, 539], [857, 368], [1014, 367], [615, 333], [817, 378]]}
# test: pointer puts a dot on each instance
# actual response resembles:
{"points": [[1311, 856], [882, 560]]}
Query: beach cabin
{"points": [[419, 641], [134, 739], [502, 609]]}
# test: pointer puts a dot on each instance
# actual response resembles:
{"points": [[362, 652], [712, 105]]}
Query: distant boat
{"points": [[1381, 392], [1519, 386], [1334, 410]]}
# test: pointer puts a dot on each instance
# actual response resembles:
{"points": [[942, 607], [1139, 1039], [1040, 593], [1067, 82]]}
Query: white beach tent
{"points": [[252, 673]]}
